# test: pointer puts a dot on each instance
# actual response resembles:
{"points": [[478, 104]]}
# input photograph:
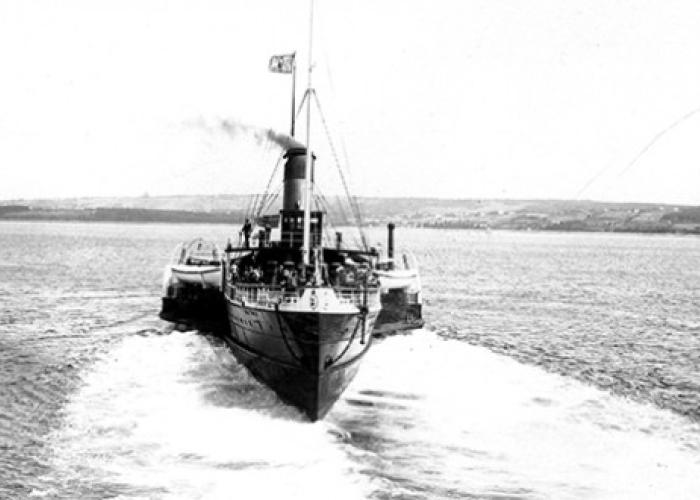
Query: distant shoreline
{"points": [[134, 215], [678, 223], [478, 214]]}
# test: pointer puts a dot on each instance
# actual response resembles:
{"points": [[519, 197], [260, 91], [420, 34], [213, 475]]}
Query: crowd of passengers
{"points": [[290, 277]]}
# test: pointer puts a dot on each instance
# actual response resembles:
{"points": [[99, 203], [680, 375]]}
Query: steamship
{"points": [[301, 314], [299, 309]]}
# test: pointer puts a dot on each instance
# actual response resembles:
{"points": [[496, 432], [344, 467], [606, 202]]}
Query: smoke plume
{"points": [[235, 128]]}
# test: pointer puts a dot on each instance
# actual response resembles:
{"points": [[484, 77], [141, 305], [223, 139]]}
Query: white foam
{"points": [[484, 423], [141, 420], [175, 417]]}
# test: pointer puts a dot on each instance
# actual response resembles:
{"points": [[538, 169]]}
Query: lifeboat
{"points": [[197, 262]]}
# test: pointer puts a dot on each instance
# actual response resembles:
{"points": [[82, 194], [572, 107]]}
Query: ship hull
{"points": [[401, 311], [204, 311], [307, 358]]}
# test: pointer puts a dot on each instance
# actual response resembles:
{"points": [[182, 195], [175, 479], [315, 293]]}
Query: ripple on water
{"points": [[148, 422], [102, 401], [489, 427]]}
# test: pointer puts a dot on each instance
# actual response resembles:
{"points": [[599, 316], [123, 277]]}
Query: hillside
{"points": [[561, 215]]}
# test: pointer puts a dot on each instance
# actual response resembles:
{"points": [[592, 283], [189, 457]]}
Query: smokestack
{"points": [[390, 240], [294, 175]]}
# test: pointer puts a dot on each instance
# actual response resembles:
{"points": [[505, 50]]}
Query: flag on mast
{"points": [[282, 63]]}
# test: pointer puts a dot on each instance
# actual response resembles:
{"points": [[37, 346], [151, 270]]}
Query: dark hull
{"points": [[198, 308], [205, 310], [307, 358], [398, 313], [411, 320], [313, 393]]}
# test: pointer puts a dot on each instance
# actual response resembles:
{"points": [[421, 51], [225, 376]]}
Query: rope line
{"points": [[266, 193], [354, 207], [642, 152]]}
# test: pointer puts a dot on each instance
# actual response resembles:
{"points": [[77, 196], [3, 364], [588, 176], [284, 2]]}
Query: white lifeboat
{"points": [[197, 262], [394, 273]]}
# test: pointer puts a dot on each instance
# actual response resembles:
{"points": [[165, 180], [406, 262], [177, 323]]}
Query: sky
{"points": [[452, 99]]}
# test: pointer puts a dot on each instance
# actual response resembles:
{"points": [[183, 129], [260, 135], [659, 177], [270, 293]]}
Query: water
{"points": [[555, 366]]}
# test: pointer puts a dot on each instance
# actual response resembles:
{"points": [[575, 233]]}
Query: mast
{"points": [[294, 93], [306, 247]]}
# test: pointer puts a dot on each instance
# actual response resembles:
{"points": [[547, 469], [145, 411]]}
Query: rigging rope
{"points": [[251, 207], [656, 138], [343, 216], [354, 207], [327, 225], [266, 193], [269, 201], [327, 205], [321, 205], [642, 152]]}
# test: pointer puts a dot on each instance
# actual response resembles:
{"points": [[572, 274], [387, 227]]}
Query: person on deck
{"points": [[292, 282], [341, 278], [286, 275], [279, 276], [247, 230]]}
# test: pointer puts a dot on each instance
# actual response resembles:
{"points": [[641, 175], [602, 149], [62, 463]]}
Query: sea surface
{"points": [[552, 366]]}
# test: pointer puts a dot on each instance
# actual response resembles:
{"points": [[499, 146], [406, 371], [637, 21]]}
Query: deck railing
{"points": [[270, 295], [355, 296]]}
